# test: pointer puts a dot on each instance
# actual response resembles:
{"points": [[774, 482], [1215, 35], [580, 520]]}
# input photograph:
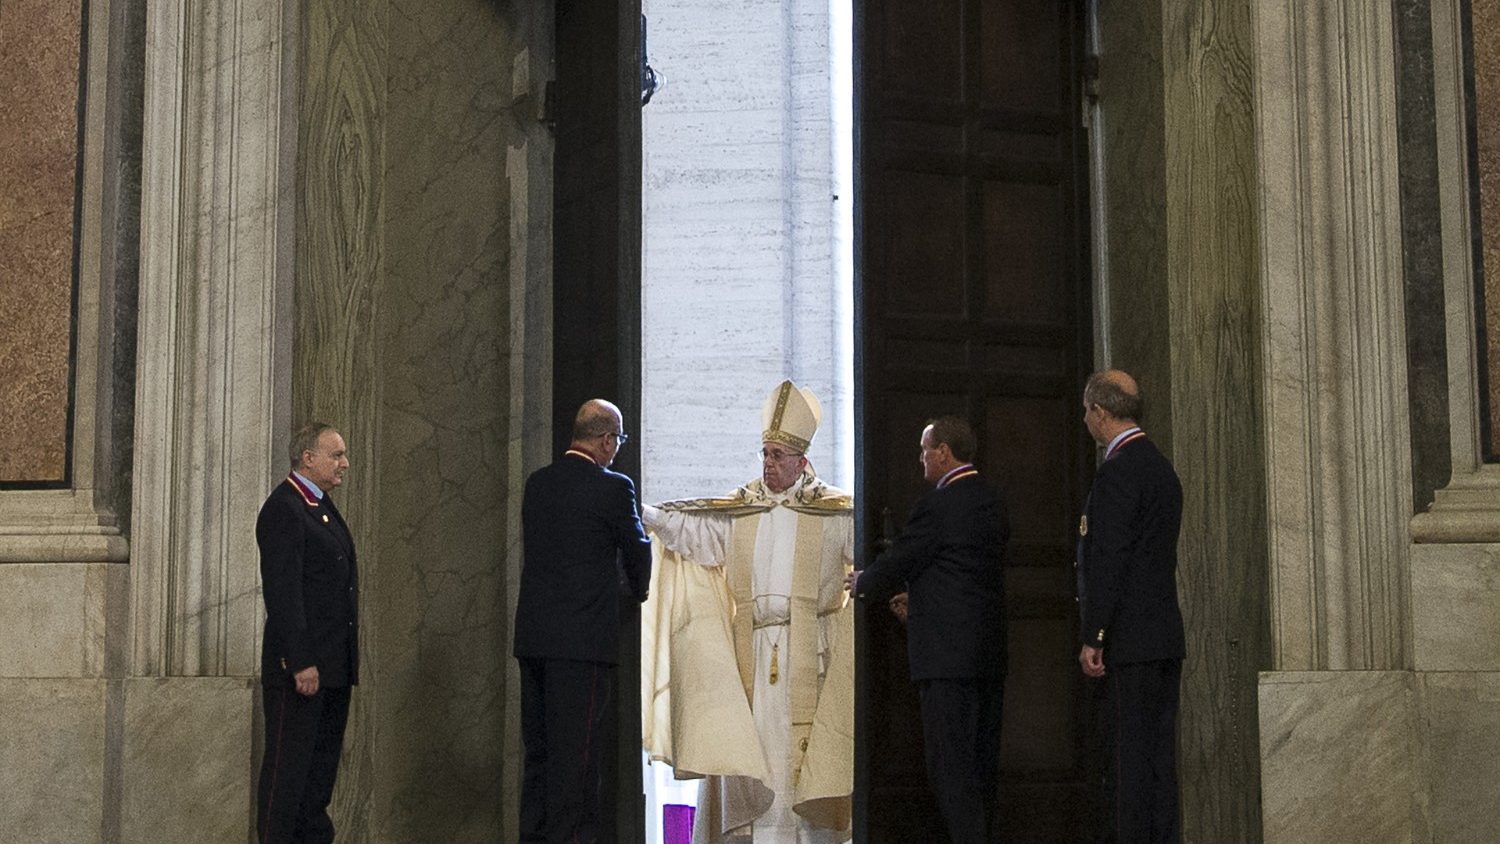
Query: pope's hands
{"points": [[851, 581]]}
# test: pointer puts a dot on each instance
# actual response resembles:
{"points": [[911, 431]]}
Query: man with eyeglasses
{"points": [[747, 644], [582, 538]]}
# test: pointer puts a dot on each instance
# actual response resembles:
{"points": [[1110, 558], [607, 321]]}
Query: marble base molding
{"points": [[1379, 756], [168, 760], [1338, 751]]}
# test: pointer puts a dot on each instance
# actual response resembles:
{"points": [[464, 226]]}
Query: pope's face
{"points": [[780, 466]]}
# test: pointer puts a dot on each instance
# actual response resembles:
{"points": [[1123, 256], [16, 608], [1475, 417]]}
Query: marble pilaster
{"points": [[214, 296], [1336, 427]]}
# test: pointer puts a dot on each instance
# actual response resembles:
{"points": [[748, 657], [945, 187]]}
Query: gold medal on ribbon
{"points": [[1083, 525]]}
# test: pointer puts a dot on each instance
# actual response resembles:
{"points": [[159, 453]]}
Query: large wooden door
{"points": [[973, 299], [596, 301]]}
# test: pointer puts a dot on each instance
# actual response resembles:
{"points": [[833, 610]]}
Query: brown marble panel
{"points": [[40, 49], [1486, 34]]}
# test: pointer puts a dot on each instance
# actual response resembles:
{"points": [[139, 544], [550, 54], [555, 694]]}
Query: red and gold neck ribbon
{"points": [[1139, 434]]}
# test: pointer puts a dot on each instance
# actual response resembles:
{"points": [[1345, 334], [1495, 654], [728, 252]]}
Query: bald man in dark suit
{"points": [[1131, 630], [585, 551]]}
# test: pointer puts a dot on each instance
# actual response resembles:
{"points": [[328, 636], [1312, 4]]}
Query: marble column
{"points": [[1336, 430], [212, 399]]}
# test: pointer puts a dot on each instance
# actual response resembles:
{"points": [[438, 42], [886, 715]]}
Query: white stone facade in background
{"points": [[745, 261]]}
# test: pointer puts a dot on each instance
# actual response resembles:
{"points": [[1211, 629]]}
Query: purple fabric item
{"points": [[677, 824]]}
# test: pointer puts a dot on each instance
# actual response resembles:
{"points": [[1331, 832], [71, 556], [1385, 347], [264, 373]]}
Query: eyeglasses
{"points": [[778, 456], [622, 438]]}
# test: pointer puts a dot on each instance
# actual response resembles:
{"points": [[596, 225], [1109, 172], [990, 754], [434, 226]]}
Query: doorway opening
{"points": [[747, 252]]}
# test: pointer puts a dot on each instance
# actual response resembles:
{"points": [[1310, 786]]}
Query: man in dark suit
{"points": [[584, 546], [948, 560], [1131, 626], [309, 652]]}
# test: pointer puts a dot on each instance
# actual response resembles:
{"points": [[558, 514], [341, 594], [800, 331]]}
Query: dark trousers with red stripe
{"points": [[563, 708], [304, 736], [1139, 728]]}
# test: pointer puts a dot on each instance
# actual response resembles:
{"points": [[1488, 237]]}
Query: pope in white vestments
{"points": [[747, 645]]}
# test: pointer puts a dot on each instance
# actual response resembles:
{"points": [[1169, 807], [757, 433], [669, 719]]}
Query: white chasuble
{"points": [[747, 660]]}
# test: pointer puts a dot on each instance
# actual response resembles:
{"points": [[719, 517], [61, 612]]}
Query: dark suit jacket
{"points": [[310, 581], [1127, 557], [584, 547], [948, 559]]}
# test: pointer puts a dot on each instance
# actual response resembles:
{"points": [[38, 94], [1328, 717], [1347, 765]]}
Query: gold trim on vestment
{"points": [[813, 497]]}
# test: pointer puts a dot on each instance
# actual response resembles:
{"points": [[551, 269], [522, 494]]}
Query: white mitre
{"points": [[790, 416]]}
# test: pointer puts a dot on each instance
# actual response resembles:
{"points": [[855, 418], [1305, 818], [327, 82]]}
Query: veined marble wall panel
{"points": [[737, 254], [186, 759], [62, 619], [1214, 293], [40, 55], [340, 193], [1339, 756], [417, 121], [53, 759], [437, 595], [1133, 314]]}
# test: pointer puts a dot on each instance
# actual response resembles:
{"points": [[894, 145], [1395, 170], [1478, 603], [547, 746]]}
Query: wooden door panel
{"points": [[925, 249], [1023, 224], [1027, 440], [1045, 742], [973, 299], [923, 44], [1020, 52]]}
